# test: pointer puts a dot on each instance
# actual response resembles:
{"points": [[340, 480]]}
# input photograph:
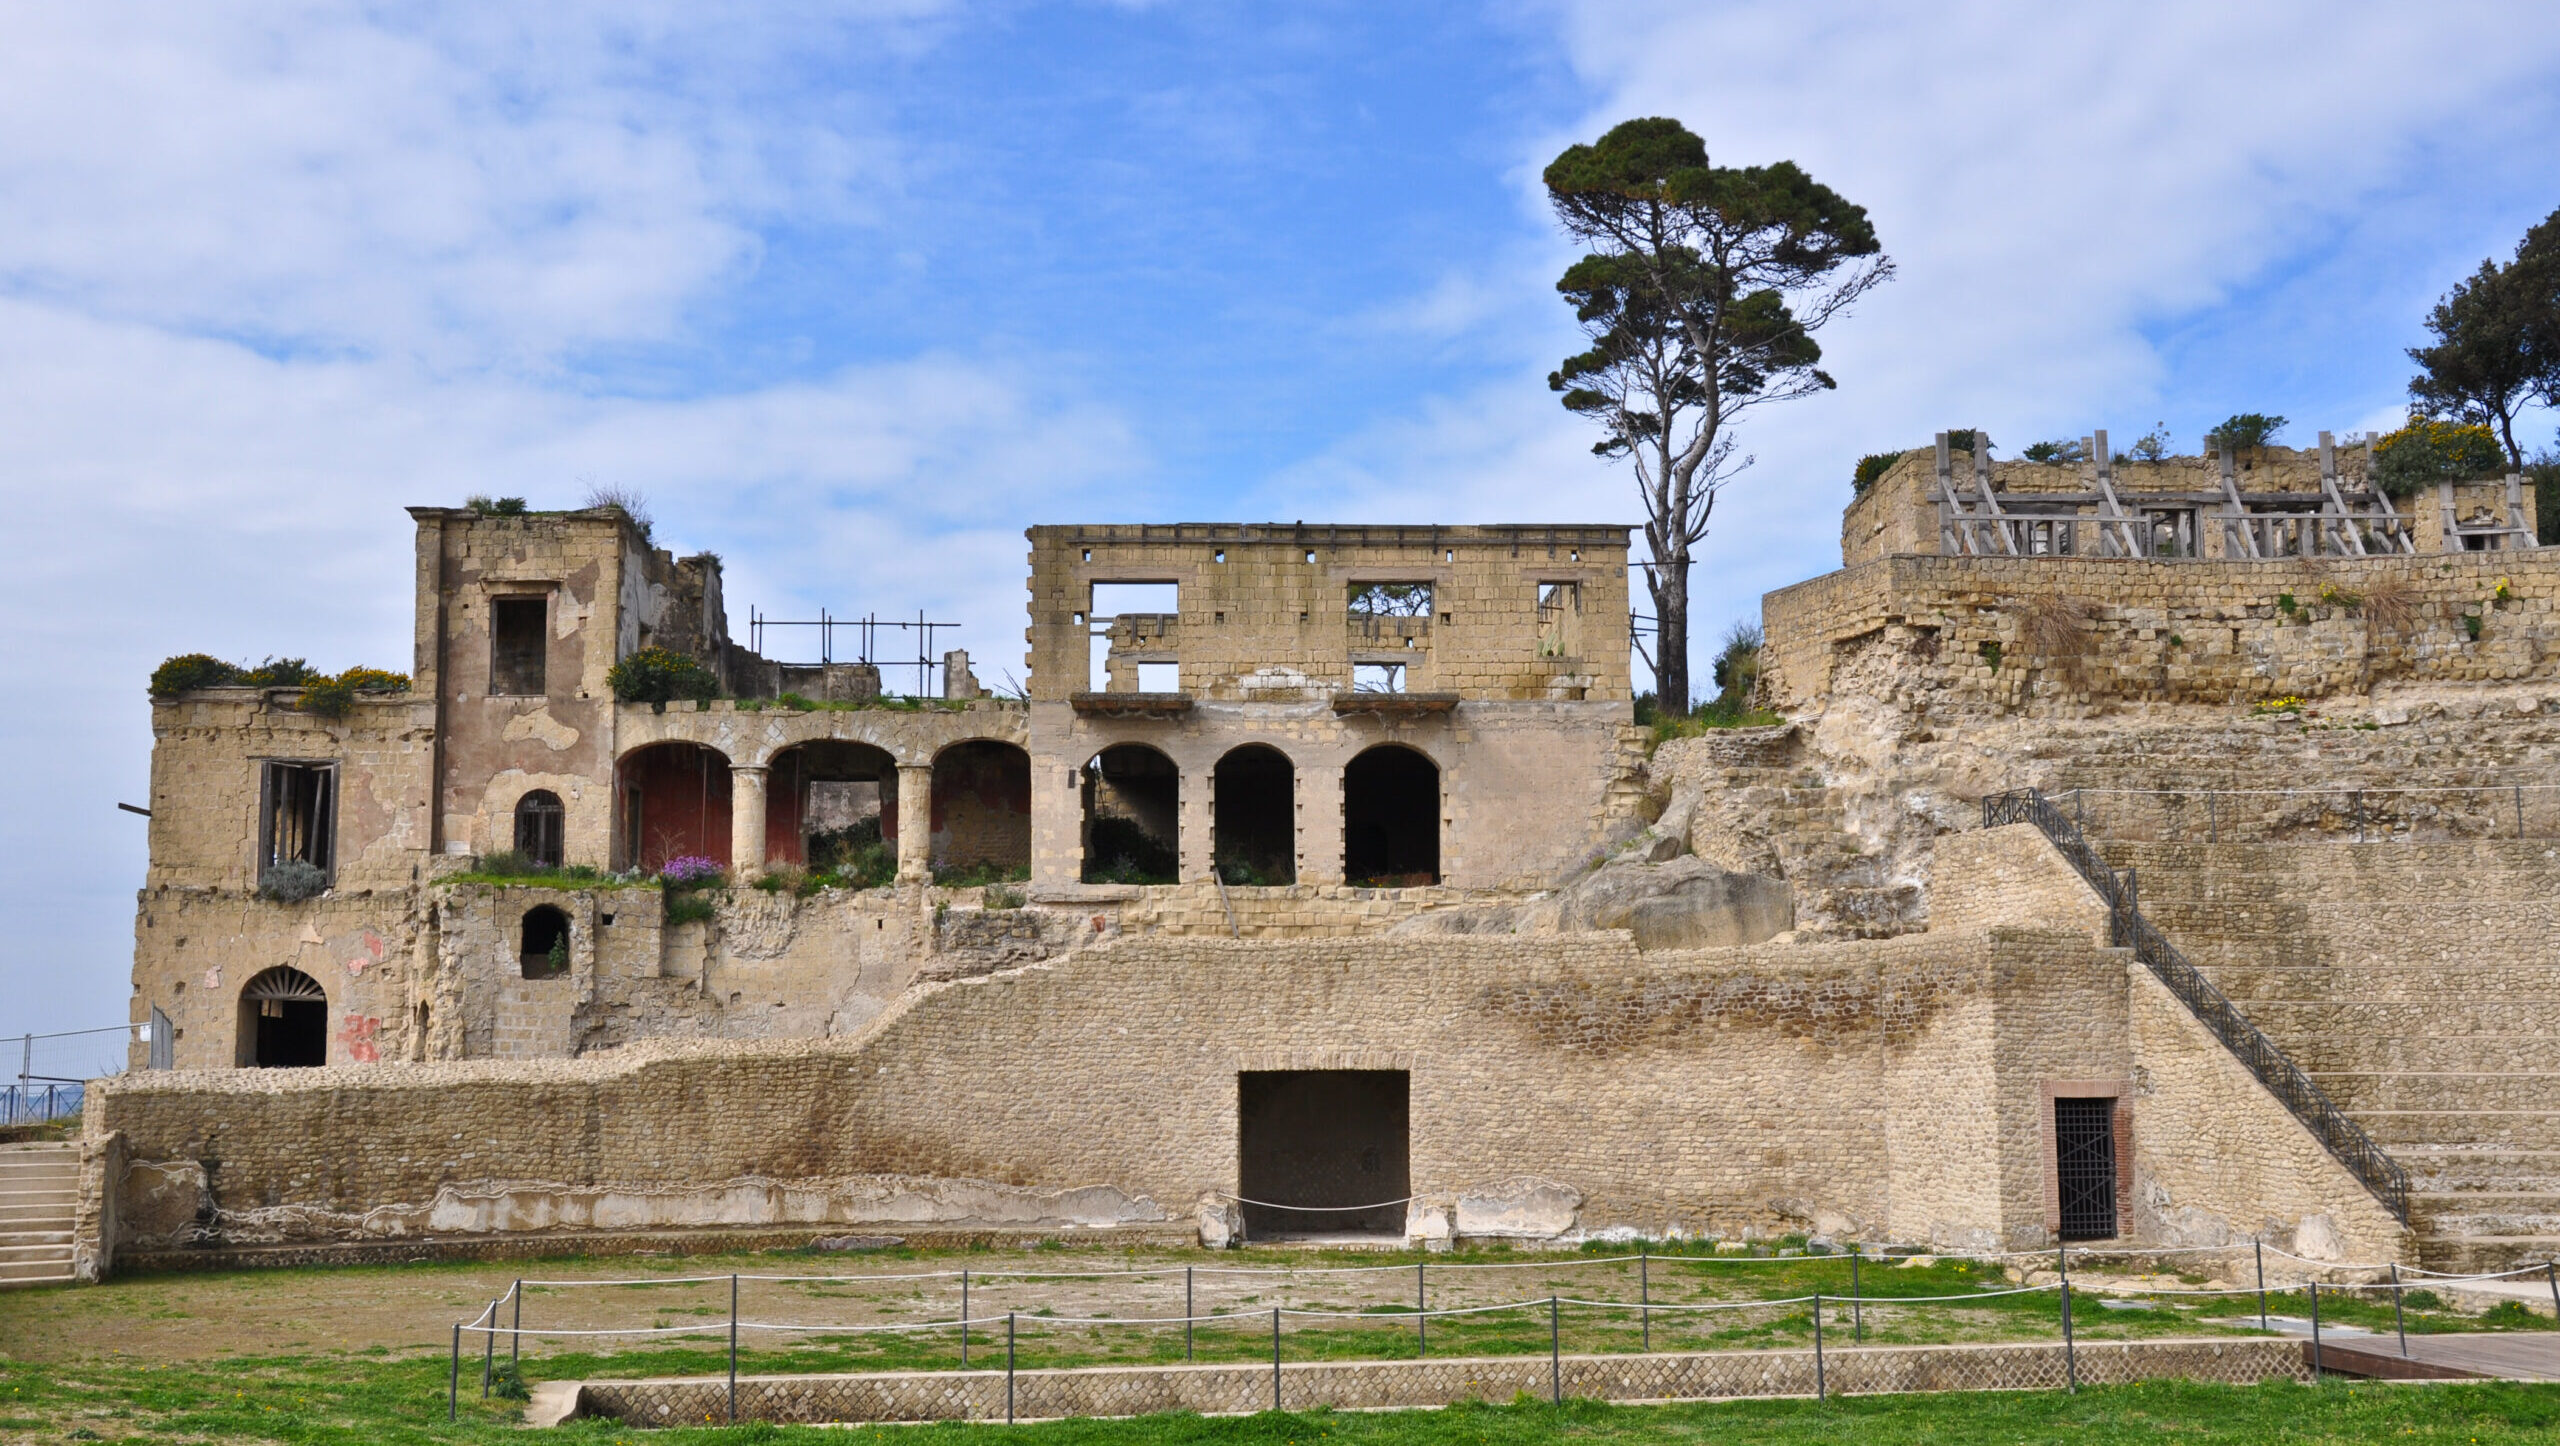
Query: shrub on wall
{"points": [[2426, 452], [1870, 467], [292, 881], [661, 675], [322, 694]]}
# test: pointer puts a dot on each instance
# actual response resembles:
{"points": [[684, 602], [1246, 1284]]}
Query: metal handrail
{"points": [[2127, 928]]}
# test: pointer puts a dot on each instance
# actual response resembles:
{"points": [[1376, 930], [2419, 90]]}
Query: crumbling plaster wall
{"points": [[206, 755]]}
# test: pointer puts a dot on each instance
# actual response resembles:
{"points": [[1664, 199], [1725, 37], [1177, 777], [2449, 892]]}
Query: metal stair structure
{"points": [[39, 1205]]}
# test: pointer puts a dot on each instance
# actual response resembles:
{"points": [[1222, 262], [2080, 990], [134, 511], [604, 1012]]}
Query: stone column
{"points": [[1320, 824], [1196, 809], [746, 821], [915, 823]]}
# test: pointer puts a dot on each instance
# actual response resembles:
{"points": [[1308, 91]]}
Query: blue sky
{"points": [[855, 292]]}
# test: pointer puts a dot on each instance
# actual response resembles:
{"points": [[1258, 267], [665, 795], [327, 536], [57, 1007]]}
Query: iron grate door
{"points": [[2084, 1159]]}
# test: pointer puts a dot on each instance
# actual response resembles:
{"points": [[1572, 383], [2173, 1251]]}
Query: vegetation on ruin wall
{"points": [[509, 869], [661, 675], [797, 703], [322, 694]]}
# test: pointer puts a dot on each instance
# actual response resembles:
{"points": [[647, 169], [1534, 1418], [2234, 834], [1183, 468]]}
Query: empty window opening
{"points": [[539, 825], [1377, 677], [1159, 677], [981, 813], [517, 644], [2084, 1167], [1391, 600], [832, 808], [1132, 817], [671, 801], [1254, 816], [542, 944], [297, 817], [284, 1021], [1391, 819], [1127, 618], [1219, 556], [1309, 1142], [1559, 620]]}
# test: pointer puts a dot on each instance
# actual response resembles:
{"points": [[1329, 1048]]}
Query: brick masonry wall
{"points": [[1367, 1385], [2039, 634]]}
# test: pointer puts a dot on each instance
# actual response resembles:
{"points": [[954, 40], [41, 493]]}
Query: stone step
{"points": [[29, 1217], [2468, 1213], [2448, 1169], [2326, 1053], [15, 1240], [2256, 975], [2356, 1090], [2474, 1254], [39, 1250], [2475, 1129]]}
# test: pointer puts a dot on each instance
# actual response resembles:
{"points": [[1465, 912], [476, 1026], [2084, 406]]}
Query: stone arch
{"points": [[1391, 817], [1132, 816], [542, 942], [284, 1020], [982, 809], [827, 799], [1253, 825], [541, 825], [670, 800]]}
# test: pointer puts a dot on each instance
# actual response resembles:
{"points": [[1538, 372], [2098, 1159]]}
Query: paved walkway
{"points": [[2513, 1356]]}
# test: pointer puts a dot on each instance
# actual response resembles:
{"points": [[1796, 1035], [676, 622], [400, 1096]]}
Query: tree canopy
{"points": [[2497, 341]]}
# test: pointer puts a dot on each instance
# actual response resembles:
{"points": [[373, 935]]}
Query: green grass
{"points": [[322, 1401]]}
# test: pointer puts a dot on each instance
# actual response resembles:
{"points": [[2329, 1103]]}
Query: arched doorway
{"points": [[1254, 816], [1132, 817], [671, 801], [981, 812], [284, 1021], [1391, 818], [832, 807], [542, 943], [539, 825]]}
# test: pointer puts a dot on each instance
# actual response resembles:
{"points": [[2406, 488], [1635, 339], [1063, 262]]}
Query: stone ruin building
{"points": [[1326, 867]]}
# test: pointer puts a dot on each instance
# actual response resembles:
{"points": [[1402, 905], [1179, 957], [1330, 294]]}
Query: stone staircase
{"points": [[2419, 985], [39, 1201]]}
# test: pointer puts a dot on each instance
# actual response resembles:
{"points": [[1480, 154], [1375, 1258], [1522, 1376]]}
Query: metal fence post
{"points": [[2070, 1352], [1857, 1301], [1644, 1291], [1275, 1358], [733, 1348], [2398, 1321], [2315, 1333], [1555, 1352], [2259, 1247], [1421, 1310], [1187, 1312], [488, 1348], [453, 1387], [1008, 1368], [1821, 1389], [964, 1316], [515, 1333], [2551, 1274]]}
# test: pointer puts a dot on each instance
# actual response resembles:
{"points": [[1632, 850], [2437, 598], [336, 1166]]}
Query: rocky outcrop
{"points": [[1685, 903]]}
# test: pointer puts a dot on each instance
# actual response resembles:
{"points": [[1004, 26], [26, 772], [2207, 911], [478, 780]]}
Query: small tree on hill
{"points": [[1700, 298], [2497, 341]]}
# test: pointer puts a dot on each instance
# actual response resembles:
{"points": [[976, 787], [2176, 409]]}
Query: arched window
{"points": [[539, 817], [543, 950], [1132, 817], [284, 1021], [1254, 816], [981, 812]]}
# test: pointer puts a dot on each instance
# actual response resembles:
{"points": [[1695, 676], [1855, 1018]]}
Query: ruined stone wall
{"points": [[206, 756], [1528, 789], [1265, 610], [1758, 1089], [195, 950], [1993, 635]]}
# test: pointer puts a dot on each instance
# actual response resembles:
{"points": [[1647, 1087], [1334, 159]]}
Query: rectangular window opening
{"points": [[517, 644], [1377, 677], [1559, 614], [297, 816], [2084, 1167], [1159, 677], [1391, 600]]}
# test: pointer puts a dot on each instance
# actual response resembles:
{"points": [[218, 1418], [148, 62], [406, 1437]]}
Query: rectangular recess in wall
{"points": [[519, 640]]}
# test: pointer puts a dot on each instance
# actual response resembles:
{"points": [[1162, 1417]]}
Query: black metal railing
{"points": [[2127, 928]]}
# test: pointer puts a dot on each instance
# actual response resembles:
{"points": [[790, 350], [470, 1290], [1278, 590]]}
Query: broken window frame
{"points": [[548, 816], [528, 661], [307, 790]]}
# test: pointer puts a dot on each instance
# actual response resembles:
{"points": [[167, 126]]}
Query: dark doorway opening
{"points": [[1254, 816], [2084, 1167], [673, 802], [284, 1021], [1132, 817], [1311, 1141], [981, 813], [543, 943], [1391, 819], [832, 807]]}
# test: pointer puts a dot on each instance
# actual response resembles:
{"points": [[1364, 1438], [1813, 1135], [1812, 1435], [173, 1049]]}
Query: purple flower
{"points": [[691, 869]]}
